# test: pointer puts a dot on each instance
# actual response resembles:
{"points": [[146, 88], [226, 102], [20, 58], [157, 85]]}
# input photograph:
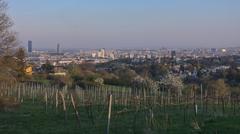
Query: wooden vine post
{"points": [[56, 100], [194, 101], [46, 101], [201, 88], [109, 112], [75, 109], [64, 105]]}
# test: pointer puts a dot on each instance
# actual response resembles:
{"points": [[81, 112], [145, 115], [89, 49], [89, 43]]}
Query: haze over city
{"points": [[127, 24]]}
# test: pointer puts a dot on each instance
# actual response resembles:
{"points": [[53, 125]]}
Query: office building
{"points": [[29, 46], [58, 48]]}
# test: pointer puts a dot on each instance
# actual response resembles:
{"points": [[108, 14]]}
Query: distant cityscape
{"points": [[64, 57]]}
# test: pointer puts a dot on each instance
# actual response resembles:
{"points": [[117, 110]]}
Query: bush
{"points": [[9, 104]]}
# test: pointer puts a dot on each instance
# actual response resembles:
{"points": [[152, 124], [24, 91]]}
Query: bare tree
{"points": [[8, 39], [8, 43], [219, 88]]}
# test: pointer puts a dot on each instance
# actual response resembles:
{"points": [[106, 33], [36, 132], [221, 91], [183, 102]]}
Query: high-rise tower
{"points": [[58, 48], [29, 46]]}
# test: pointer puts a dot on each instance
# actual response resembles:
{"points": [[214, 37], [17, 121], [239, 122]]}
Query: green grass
{"points": [[32, 119]]}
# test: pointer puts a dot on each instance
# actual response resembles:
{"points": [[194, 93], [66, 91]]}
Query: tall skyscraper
{"points": [[58, 48], [29, 46], [173, 54]]}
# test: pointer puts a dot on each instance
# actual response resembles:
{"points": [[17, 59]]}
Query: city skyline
{"points": [[124, 24]]}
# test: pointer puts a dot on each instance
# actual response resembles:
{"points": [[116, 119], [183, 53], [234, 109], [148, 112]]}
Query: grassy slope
{"points": [[32, 119]]}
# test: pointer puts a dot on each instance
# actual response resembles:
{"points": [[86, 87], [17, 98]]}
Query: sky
{"points": [[127, 23]]}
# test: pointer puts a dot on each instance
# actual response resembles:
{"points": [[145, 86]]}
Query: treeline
{"points": [[156, 76]]}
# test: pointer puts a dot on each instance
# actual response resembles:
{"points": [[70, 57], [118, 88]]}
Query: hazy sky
{"points": [[127, 23]]}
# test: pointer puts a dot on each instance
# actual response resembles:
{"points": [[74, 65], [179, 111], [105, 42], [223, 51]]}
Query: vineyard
{"points": [[36, 108]]}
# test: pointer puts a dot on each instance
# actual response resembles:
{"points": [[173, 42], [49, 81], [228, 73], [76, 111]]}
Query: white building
{"points": [[101, 53]]}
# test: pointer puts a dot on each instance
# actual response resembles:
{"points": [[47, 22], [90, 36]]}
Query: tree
{"points": [[219, 88], [8, 39], [158, 71], [173, 83], [20, 57], [145, 83], [125, 76], [48, 67], [233, 75], [8, 42]]}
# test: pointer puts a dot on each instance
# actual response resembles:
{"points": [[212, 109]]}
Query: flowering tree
{"points": [[173, 83], [145, 83]]}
